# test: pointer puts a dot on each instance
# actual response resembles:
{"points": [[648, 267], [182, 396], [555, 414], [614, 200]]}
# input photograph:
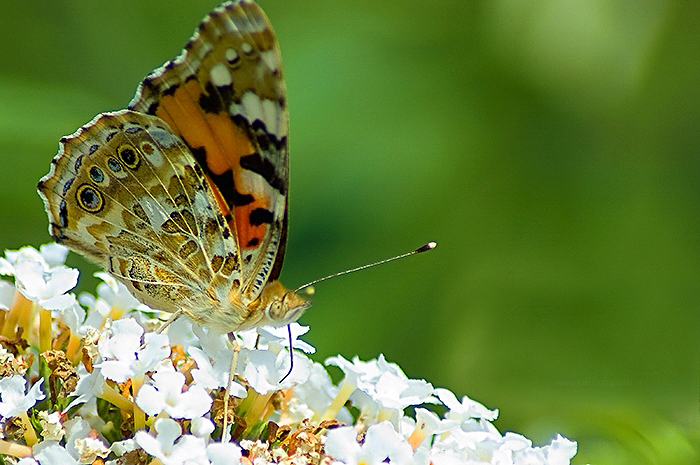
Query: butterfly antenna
{"points": [[425, 248]]}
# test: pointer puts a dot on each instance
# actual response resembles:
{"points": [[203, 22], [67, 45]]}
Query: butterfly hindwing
{"points": [[126, 192]]}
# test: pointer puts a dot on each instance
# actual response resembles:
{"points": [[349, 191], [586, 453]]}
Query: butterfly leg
{"points": [[225, 436], [171, 320]]}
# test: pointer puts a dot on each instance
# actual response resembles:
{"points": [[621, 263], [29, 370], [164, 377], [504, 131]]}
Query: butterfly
{"points": [[183, 196]]}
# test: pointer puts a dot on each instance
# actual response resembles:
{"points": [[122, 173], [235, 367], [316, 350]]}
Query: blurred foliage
{"points": [[550, 147]]}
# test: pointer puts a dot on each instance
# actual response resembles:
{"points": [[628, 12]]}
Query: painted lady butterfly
{"points": [[183, 196]]}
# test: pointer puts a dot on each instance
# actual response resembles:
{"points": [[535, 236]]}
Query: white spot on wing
{"points": [[252, 107], [121, 174], [271, 59], [271, 112], [267, 111], [164, 138], [231, 55], [220, 75], [154, 211], [205, 48], [155, 157], [201, 201]]}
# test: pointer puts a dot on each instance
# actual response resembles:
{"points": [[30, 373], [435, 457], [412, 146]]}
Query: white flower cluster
{"points": [[131, 393]]}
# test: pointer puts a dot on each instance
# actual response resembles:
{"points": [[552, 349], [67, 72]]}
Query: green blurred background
{"points": [[550, 147]]}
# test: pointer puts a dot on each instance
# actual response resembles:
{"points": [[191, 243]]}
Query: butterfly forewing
{"points": [[225, 96]]}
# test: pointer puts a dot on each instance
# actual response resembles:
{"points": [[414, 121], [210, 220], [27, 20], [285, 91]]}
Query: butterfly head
{"points": [[286, 310], [282, 306]]}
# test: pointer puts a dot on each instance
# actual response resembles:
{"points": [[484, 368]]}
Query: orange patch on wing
{"points": [[247, 232], [225, 144]]}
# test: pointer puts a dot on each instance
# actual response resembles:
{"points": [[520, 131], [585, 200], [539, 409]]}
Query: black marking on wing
{"points": [[210, 100], [267, 140], [264, 168], [261, 216]]}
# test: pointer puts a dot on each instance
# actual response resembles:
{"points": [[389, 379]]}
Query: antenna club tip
{"points": [[310, 290], [429, 246]]}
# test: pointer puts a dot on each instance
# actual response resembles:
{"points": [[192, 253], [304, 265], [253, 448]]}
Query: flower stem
{"points": [[254, 413], [44, 330], [139, 415], [29, 433], [20, 306], [72, 350], [15, 450], [112, 396], [344, 393]]}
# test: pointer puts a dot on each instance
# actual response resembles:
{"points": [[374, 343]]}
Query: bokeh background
{"points": [[551, 147]]}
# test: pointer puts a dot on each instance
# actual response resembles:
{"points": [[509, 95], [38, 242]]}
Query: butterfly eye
{"points": [[276, 311], [89, 198]]}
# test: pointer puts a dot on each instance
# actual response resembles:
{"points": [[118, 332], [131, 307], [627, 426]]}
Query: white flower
{"points": [[27, 461], [225, 453], [47, 288], [52, 453], [7, 295], [277, 337], [398, 392], [89, 449], [214, 376], [165, 395], [202, 427], [211, 340], [74, 317], [89, 385], [180, 333], [383, 390], [315, 395], [165, 448], [560, 451], [427, 424], [14, 400], [382, 444], [263, 369], [80, 444], [125, 356], [115, 294], [464, 412], [518, 450], [54, 254], [52, 428], [51, 256], [122, 447], [356, 369]]}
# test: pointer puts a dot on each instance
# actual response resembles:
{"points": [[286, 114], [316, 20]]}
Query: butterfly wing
{"points": [[225, 97], [127, 193]]}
